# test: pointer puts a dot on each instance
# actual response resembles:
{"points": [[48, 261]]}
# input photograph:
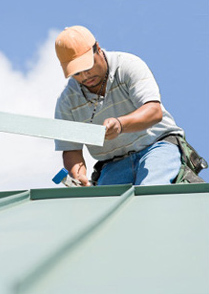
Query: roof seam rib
{"points": [[33, 277]]}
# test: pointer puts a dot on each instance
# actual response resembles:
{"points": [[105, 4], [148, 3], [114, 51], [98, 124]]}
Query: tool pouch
{"points": [[191, 164], [97, 171]]}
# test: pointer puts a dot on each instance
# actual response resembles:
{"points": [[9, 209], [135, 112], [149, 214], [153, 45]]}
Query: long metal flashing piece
{"points": [[52, 129], [79, 192], [116, 190], [172, 189]]}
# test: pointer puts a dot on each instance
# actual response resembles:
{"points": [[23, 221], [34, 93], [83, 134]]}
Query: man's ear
{"points": [[98, 47]]}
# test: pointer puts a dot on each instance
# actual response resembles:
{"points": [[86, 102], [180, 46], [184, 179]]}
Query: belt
{"points": [[172, 138]]}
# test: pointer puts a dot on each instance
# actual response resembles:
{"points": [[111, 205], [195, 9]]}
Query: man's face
{"points": [[93, 78]]}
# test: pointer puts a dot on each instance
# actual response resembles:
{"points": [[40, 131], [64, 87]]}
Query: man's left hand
{"points": [[113, 128]]}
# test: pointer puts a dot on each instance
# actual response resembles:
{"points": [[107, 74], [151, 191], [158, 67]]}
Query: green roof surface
{"points": [[110, 239]]}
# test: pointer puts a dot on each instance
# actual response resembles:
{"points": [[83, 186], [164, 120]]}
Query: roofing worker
{"points": [[117, 90]]}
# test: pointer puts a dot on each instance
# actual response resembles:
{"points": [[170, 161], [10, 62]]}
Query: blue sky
{"points": [[172, 37]]}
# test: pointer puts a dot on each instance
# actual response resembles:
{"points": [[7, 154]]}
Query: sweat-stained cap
{"points": [[74, 48]]}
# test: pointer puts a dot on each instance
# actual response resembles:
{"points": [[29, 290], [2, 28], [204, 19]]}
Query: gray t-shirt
{"points": [[130, 84]]}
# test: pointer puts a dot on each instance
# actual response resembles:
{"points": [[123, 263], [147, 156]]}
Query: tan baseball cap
{"points": [[74, 48]]}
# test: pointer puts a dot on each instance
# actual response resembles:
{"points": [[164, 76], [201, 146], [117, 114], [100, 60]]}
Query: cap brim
{"points": [[84, 62]]}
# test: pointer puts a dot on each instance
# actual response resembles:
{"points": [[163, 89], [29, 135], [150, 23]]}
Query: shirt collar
{"points": [[112, 60]]}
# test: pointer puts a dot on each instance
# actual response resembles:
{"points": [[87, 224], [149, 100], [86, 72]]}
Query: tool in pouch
{"points": [[191, 162], [64, 177]]}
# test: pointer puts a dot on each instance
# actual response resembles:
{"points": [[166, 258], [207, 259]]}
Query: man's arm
{"points": [[143, 118], [74, 162]]}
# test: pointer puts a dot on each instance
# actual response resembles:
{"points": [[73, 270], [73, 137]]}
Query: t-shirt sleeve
{"points": [[140, 82]]}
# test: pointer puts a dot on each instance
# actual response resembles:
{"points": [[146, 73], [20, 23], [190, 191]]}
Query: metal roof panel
{"points": [[117, 239]]}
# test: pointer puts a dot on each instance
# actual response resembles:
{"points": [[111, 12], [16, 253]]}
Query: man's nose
{"points": [[85, 74]]}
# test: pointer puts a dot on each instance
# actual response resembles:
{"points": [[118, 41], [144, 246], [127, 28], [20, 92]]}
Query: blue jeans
{"points": [[157, 164]]}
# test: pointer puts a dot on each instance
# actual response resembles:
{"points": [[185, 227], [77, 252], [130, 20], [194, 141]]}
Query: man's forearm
{"points": [[74, 162], [139, 120], [142, 118]]}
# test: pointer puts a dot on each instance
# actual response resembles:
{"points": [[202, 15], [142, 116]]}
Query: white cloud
{"points": [[28, 162], [34, 93]]}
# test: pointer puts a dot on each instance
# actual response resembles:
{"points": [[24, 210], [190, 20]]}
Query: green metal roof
{"points": [[109, 239]]}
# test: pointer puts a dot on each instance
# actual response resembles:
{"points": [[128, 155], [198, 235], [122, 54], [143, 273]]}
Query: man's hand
{"points": [[113, 128], [84, 180]]}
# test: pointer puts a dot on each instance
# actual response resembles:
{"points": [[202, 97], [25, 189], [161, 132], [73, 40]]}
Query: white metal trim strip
{"points": [[52, 129]]}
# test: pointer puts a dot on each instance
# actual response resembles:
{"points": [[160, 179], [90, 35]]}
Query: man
{"points": [[117, 90]]}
